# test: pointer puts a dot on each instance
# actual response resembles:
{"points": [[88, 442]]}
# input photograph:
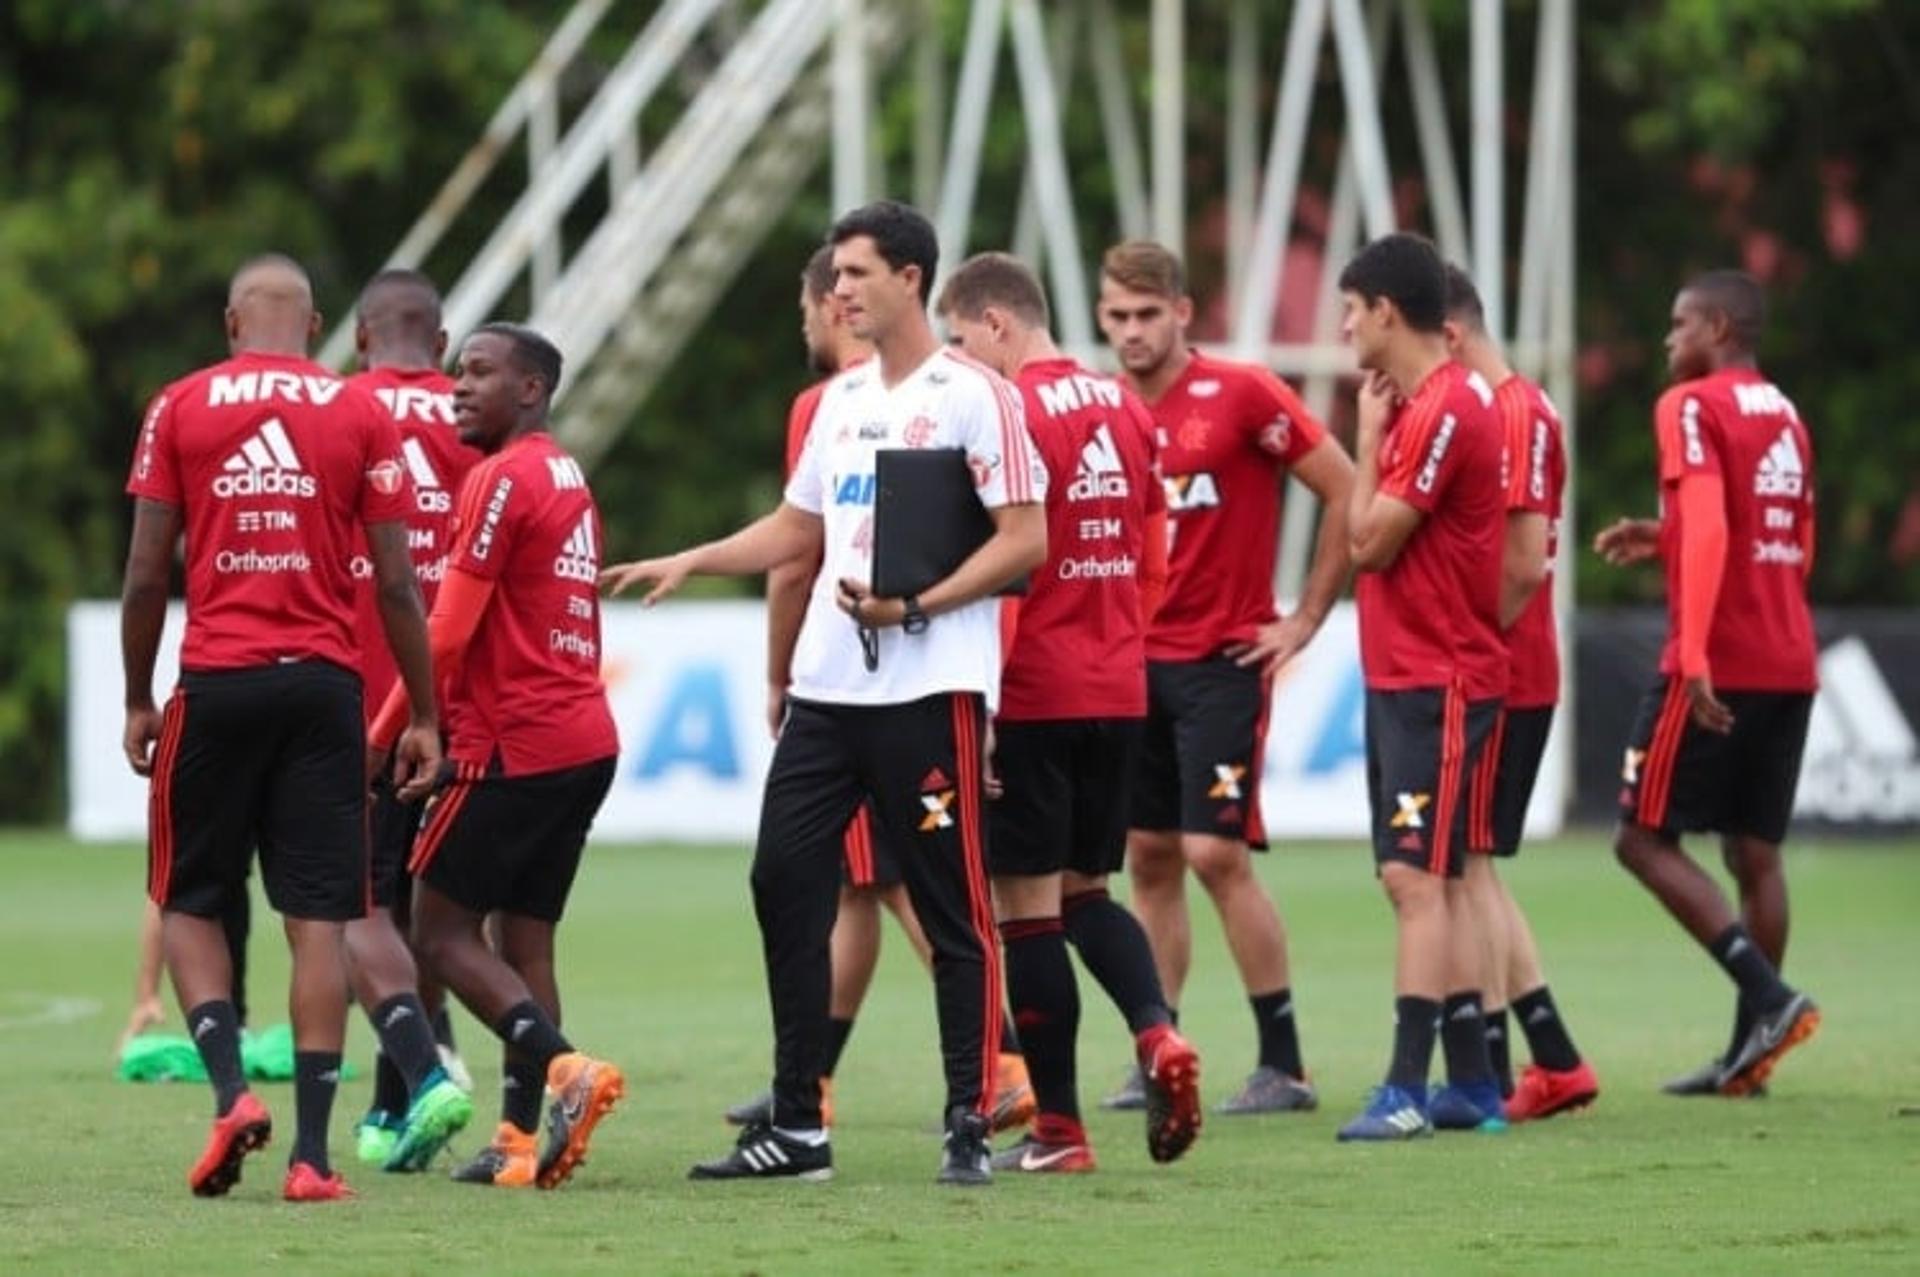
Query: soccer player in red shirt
{"points": [[269, 462], [1072, 701], [1718, 740], [1229, 436], [1428, 527], [904, 730], [516, 642], [418, 1100], [1502, 785]]}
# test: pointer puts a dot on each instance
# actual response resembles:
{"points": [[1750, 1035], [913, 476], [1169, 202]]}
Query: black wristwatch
{"points": [[913, 620]]}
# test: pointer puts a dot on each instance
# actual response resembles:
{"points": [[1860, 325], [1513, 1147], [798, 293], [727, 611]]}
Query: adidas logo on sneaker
{"points": [[579, 559], [265, 466], [1100, 473]]}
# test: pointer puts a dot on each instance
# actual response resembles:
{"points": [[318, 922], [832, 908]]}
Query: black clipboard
{"points": [[927, 520]]}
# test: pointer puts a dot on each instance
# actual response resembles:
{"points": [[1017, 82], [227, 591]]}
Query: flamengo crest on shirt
{"points": [[265, 466]]}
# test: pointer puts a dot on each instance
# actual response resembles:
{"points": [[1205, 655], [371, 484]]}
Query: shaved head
{"points": [[270, 306], [397, 321], [1736, 296]]}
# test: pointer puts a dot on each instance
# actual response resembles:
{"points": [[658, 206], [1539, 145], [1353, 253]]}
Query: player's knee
{"points": [[1154, 861], [1221, 864], [1749, 860], [1413, 891], [1636, 848]]}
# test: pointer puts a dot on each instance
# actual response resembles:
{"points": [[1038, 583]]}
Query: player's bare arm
{"points": [[1377, 525], [1523, 564], [416, 756], [1628, 541], [1327, 472], [788, 535], [787, 589], [143, 613], [1018, 544]]}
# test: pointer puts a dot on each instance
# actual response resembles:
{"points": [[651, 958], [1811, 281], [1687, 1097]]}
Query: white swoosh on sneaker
{"points": [[1033, 1161]]}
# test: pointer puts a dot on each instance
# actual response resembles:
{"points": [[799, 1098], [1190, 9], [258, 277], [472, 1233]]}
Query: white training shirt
{"points": [[949, 401]]}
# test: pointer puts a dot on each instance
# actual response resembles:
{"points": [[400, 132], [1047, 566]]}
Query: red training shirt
{"points": [[274, 463], [1227, 430], [420, 402], [1431, 619], [1536, 484], [1079, 650], [528, 691], [1736, 424]]}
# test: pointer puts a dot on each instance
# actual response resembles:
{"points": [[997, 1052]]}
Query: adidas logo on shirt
{"points": [[1780, 473], [1100, 473], [579, 559], [265, 466], [428, 494]]}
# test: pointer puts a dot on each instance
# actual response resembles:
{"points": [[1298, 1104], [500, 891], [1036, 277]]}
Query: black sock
{"points": [[406, 1038], [1046, 1005], [1415, 1023], [527, 1029], [838, 1031], [1463, 1038], [1010, 1036], [390, 1094], [443, 1027], [1114, 948], [215, 1028], [1498, 1052], [1547, 1037], [1740, 958], [1279, 1038], [1742, 1025], [316, 1076], [523, 1085]]}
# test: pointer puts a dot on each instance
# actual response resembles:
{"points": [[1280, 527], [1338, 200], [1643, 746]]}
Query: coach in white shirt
{"points": [[908, 734]]}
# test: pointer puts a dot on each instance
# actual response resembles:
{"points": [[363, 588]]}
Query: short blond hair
{"points": [[1143, 266], [994, 279]]}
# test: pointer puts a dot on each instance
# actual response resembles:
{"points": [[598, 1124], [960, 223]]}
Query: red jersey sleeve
{"points": [[156, 472], [1684, 436], [799, 422], [1142, 422], [386, 494], [1282, 426], [1527, 443], [490, 505], [1414, 456]]}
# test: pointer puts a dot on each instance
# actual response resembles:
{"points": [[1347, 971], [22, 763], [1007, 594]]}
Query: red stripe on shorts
{"points": [[966, 755]]}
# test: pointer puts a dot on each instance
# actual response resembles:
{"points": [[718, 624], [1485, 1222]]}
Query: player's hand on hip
{"points": [[776, 708], [1275, 644], [866, 607], [667, 575], [1628, 541], [143, 729], [416, 762], [1710, 713], [989, 774]]}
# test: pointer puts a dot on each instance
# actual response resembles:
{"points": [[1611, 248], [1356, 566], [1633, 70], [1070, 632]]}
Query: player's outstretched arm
{"points": [[1628, 541], [143, 614], [786, 535]]}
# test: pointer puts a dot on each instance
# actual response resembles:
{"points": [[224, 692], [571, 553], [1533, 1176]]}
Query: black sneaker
{"points": [[1772, 1036], [965, 1160], [764, 1153], [757, 1111], [1706, 1080]]}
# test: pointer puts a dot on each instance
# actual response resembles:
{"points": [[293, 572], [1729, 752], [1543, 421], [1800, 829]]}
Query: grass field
{"points": [[661, 971]]}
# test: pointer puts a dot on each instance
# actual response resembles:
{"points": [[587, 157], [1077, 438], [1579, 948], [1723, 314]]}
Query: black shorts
{"points": [[867, 858], [392, 827], [1201, 753], [1504, 778], [274, 758], [1422, 744], [1061, 803], [510, 843], [1677, 777]]}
